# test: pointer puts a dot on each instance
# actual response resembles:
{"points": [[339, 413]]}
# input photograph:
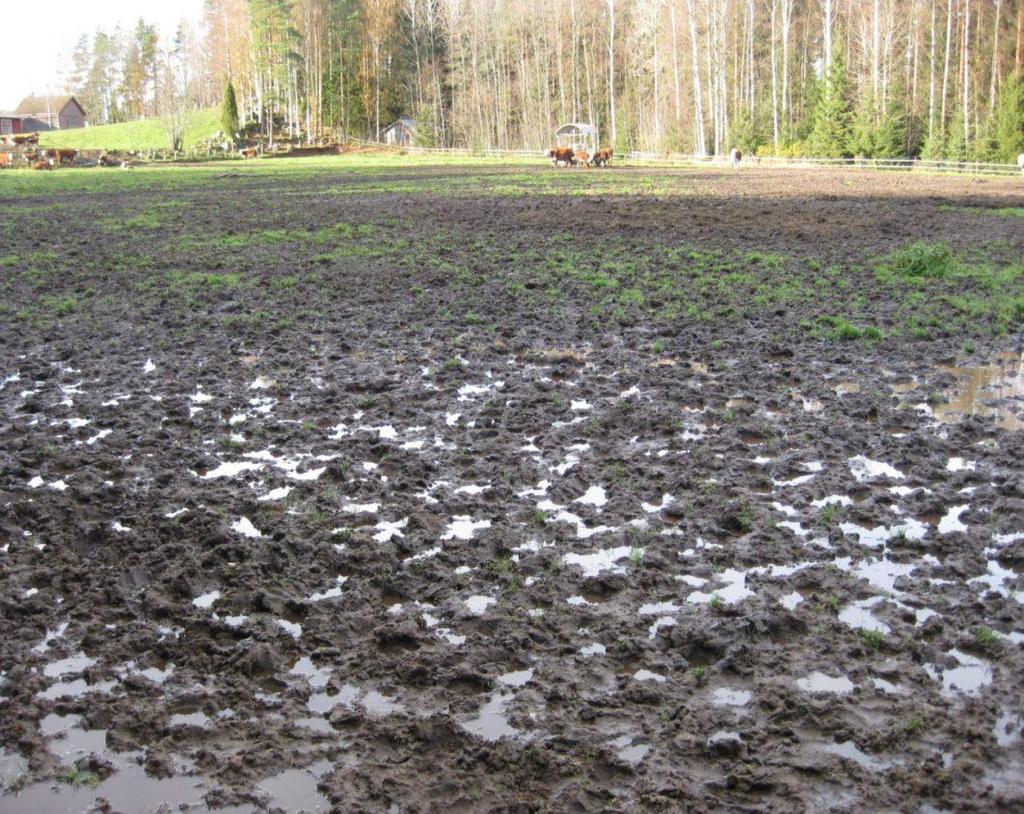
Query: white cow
{"points": [[735, 156], [1020, 163]]}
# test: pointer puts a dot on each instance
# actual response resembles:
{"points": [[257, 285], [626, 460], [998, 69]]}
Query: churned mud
{"points": [[430, 513]]}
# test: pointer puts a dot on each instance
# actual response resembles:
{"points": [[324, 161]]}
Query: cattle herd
{"points": [[30, 154], [570, 157]]}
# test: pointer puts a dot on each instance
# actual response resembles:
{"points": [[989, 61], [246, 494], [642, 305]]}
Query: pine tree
{"points": [[229, 112], [1010, 119], [830, 135]]}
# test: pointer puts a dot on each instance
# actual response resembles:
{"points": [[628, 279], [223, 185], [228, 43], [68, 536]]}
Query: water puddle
{"points": [[75, 689], [734, 589], [968, 677], [463, 527], [987, 390], [594, 496], [479, 604], [296, 789], [128, 789], [630, 749], [859, 616], [198, 720], [323, 702], [881, 573], [491, 722], [648, 675], [245, 527], [950, 521], [316, 676], [848, 750], [386, 529], [70, 666], [865, 469], [729, 697], [205, 601], [818, 682], [1007, 730], [599, 561]]}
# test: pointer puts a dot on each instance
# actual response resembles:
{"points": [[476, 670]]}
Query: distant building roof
{"points": [[34, 105], [576, 128], [404, 121]]}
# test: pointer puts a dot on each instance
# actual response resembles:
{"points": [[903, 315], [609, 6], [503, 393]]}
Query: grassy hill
{"points": [[147, 134]]}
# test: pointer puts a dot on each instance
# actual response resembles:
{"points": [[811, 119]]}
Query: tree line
{"points": [[873, 78]]}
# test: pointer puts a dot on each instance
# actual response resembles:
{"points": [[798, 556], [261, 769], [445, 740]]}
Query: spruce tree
{"points": [[1010, 119], [229, 113], [830, 136]]}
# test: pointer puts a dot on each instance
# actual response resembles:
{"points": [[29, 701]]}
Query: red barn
{"points": [[10, 123]]}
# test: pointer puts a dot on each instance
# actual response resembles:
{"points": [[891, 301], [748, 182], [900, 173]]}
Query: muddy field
{"points": [[378, 485]]}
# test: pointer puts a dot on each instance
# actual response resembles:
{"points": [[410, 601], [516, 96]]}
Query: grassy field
{"points": [[148, 134]]}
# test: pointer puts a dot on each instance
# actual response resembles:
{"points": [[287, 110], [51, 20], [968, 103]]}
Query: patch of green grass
{"points": [[636, 556], [828, 513], [986, 636], [919, 260], [77, 778], [913, 724], [60, 305], [716, 601], [873, 639], [840, 329], [700, 673], [540, 517]]}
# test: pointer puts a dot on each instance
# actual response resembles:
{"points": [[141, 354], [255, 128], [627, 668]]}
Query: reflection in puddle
{"points": [[978, 387], [820, 682], [728, 697], [491, 722], [969, 676], [1008, 726], [296, 789], [628, 750], [128, 789], [850, 751]]}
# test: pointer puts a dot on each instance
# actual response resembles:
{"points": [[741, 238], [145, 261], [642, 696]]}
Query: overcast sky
{"points": [[34, 36]]}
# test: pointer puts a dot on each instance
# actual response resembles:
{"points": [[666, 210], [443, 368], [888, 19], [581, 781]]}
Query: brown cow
{"points": [[582, 157], [603, 157], [561, 155], [21, 138], [108, 160], [61, 156], [249, 152], [43, 165], [6, 160]]}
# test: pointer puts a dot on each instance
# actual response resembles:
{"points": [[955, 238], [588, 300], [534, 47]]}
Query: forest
{"points": [[828, 78]]}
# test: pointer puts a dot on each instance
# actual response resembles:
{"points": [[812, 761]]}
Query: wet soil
{"points": [[372, 522]]}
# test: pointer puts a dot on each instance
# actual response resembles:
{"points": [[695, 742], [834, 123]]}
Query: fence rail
{"points": [[690, 159], [886, 164]]}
